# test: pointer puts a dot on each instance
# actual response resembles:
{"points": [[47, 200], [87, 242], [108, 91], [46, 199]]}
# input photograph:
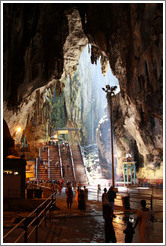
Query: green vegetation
{"points": [[58, 115]]}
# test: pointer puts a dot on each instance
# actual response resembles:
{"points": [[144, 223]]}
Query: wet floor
{"points": [[65, 226]]}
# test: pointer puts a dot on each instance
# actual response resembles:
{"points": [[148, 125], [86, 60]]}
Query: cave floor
{"points": [[74, 226]]}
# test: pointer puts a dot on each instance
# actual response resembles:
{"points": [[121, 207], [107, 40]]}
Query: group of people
{"points": [[55, 186], [108, 214], [81, 197], [143, 220], [144, 216]]}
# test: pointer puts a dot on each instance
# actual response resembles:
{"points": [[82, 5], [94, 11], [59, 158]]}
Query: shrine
{"points": [[129, 171]]}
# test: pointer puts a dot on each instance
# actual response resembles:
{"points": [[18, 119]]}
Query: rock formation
{"points": [[38, 49]]}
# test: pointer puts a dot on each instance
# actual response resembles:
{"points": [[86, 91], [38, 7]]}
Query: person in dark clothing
{"points": [[69, 194], [108, 226], [81, 201], [105, 202], [41, 160], [111, 197], [129, 231], [63, 171]]}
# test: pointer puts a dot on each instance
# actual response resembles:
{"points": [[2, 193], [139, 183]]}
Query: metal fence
{"points": [[30, 224]]}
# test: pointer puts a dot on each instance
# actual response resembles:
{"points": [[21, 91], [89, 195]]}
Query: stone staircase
{"points": [[42, 172], [55, 170], [66, 161], [79, 165], [66, 158]]}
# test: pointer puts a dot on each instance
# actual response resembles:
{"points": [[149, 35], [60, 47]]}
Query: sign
{"points": [[63, 132]]}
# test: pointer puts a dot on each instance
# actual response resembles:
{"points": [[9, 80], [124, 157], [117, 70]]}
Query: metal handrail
{"points": [[60, 159], [49, 205], [36, 174], [72, 162], [133, 193], [15, 227], [82, 157]]}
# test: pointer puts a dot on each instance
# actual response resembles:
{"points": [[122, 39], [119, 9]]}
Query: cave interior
{"points": [[43, 90]]}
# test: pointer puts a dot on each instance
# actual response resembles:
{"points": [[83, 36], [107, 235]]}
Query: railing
{"points": [[32, 222], [136, 197], [60, 159], [72, 161], [49, 175], [82, 157], [36, 167], [46, 190]]}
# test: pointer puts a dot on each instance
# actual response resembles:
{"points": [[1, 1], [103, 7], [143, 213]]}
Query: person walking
{"points": [[69, 194], [144, 221]]}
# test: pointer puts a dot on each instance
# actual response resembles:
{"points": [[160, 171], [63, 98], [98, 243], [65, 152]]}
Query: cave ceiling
{"points": [[43, 41]]}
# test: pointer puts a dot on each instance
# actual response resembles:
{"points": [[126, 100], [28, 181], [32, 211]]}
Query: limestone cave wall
{"points": [[39, 49]]}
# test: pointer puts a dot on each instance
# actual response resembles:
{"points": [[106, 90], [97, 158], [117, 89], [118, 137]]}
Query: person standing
{"points": [[144, 222], [108, 225], [85, 190], [98, 191], [63, 170], [81, 201], [69, 199], [105, 202], [111, 197], [77, 190]]}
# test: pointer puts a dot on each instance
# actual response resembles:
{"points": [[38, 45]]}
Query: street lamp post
{"points": [[92, 120], [112, 149], [110, 92]]}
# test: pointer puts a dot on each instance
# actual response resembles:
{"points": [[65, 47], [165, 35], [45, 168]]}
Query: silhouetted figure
{"points": [[111, 197], [108, 226], [85, 190], [69, 199], [63, 170], [129, 231], [81, 201], [105, 201]]}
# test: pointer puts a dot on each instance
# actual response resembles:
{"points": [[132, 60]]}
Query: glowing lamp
{"points": [[18, 129]]}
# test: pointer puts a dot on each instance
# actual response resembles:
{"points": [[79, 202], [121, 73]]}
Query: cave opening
{"points": [[82, 104]]}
